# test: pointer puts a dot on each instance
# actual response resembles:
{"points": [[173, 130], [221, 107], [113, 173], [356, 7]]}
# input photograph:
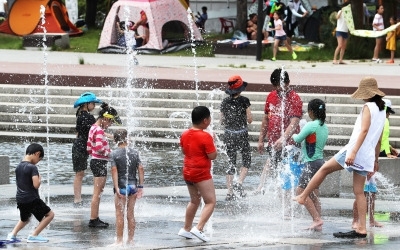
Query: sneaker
{"points": [[12, 238], [377, 60], [273, 59], [185, 234], [239, 188], [199, 234], [294, 56], [230, 197], [36, 239], [97, 223]]}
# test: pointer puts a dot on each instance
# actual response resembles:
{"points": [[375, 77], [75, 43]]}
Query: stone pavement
{"points": [[255, 222], [163, 71]]}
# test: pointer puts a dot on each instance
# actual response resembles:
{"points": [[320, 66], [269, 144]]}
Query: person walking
{"points": [[235, 115], [360, 155], [199, 150], [28, 182], [280, 36]]}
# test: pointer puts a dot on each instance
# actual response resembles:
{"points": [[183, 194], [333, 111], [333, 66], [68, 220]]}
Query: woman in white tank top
{"points": [[360, 155]]}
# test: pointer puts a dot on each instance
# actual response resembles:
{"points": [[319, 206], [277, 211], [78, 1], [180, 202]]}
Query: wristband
{"points": [[139, 186]]}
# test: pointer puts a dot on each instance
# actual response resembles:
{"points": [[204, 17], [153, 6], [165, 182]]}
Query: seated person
{"points": [[144, 23], [251, 29], [124, 36], [201, 18]]}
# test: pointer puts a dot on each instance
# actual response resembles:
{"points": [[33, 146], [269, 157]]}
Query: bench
{"points": [[52, 39]]}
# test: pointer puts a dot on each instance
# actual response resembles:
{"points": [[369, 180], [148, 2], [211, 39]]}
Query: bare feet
{"points": [[300, 199], [354, 225], [375, 224], [316, 225]]}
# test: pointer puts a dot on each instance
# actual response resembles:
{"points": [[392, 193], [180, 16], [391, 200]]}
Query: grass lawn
{"points": [[88, 42]]}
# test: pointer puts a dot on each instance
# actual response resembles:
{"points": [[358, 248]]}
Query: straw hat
{"points": [[236, 85], [367, 89]]}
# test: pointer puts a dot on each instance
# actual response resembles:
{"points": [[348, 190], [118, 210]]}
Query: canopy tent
{"points": [[168, 22], [24, 18]]}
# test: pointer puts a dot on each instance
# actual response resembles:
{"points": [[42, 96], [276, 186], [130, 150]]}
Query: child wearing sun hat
{"points": [[235, 115]]}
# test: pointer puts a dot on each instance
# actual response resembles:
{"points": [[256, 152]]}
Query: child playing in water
{"points": [[28, 199], [125, 163], [391, 40], [360, 155], [99, 149], [313, 138], [198, 149], [280, 35], [235, 114]]}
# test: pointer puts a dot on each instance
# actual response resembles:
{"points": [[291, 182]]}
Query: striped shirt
{"points": [[97, 144]]}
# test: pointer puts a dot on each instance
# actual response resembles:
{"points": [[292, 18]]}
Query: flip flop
{"points": [[342, 63], [352, 235]]}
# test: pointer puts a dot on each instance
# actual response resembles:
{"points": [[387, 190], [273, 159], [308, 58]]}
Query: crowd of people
{"points": [[280, 128]]}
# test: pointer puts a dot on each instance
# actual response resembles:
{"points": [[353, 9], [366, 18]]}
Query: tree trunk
{"points": [[91, 10], [241, 15], [333, 3], [358, 14], [390, 7]]}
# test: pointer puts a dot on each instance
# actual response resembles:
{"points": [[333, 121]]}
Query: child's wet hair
{"points": [[276, 77], [200, 113], [120, 136], [33, 148], [318, 107]]}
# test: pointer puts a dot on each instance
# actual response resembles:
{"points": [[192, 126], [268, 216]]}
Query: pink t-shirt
{"points": [[279, 32], [97, 144]]}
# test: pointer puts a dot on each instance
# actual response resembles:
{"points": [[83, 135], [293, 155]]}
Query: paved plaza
{"points": [[255, 222]]}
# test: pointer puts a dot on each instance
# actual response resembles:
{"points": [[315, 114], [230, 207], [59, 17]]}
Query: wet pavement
{"points": [[255, 222]]}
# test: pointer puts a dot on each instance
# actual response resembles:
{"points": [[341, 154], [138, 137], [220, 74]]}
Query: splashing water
{"points": [[46, 93], [386, 188], [192, 40]]}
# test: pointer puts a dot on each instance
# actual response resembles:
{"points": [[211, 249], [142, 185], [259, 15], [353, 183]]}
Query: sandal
{"points": [[352, 235]]}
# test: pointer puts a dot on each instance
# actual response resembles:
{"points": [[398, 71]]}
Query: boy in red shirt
{"points": [[283, 106], [199, 149]]}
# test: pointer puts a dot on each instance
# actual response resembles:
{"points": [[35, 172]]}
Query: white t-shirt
{"points": [[378, 20], [341, 23]]}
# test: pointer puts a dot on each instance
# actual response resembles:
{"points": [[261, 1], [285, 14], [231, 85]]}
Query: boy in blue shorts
{"points": [[28, 199]]}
